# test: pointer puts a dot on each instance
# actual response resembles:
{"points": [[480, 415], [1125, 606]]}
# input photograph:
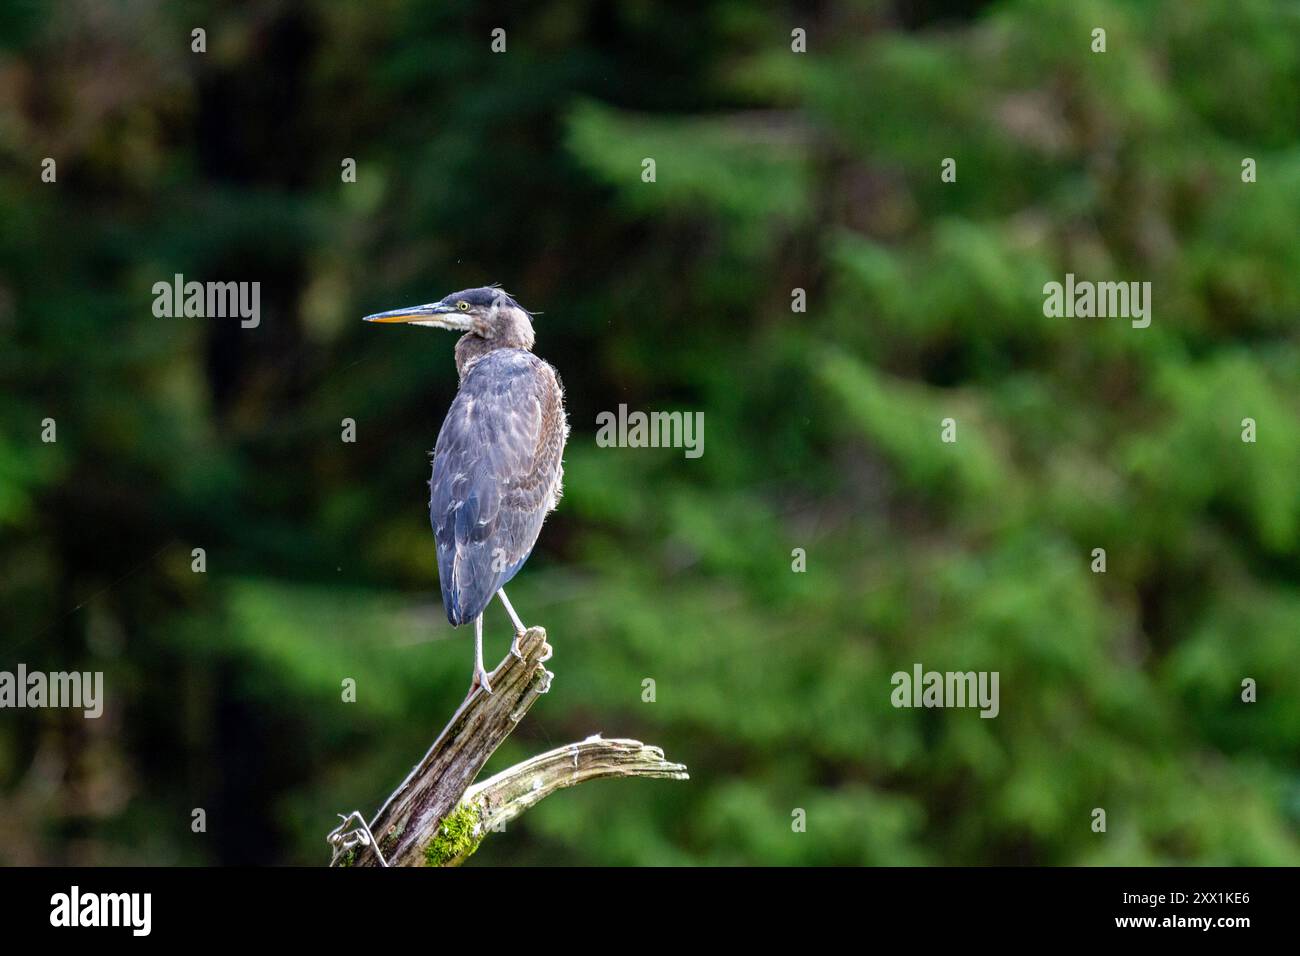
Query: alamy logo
{"points": [[56, 689], [209, 300], [655, 430], [1103, 300], [923, 688], [103, 909]]}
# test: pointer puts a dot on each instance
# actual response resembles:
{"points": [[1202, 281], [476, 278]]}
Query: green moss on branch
{"points": [[457, 838]]}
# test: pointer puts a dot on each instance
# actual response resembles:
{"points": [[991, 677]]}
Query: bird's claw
{"points": [[480, 681], [514, 645]]}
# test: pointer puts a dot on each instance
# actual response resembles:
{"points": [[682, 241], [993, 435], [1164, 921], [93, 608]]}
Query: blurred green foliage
{"points": [[774, 171]]}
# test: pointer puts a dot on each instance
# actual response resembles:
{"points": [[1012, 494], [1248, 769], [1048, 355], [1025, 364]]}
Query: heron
{"points": [[498, 461]]}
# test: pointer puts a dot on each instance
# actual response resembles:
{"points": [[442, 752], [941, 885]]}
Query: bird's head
{"points": [[490, 313]]}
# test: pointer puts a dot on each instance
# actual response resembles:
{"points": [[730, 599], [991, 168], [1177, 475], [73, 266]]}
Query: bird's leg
{"points": [[514, 619], [480, 672]]}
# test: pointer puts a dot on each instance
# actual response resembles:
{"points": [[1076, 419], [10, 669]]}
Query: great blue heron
{"points": [[497, 465]]}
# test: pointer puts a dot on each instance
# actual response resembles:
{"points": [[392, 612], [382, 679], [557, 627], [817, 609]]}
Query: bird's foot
{"points": [[480, 681], [514, 645]]}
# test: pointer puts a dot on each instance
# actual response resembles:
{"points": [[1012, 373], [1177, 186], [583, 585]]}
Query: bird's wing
{"points": [[489, 491]]}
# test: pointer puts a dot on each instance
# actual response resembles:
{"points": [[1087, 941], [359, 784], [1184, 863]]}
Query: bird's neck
{"points": [[471, 347]]}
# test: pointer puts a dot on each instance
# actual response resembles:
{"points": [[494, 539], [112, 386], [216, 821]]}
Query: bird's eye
{"points": [[463, 305]]}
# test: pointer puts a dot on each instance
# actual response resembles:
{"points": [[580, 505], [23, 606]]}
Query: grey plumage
{"points": [[497, 465], [496, 475]]}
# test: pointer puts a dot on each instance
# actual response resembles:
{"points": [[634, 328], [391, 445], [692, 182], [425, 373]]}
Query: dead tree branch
{"points": [[436, 818]]}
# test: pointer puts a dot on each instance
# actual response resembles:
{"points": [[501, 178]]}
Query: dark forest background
{"points": [[775, 171]]}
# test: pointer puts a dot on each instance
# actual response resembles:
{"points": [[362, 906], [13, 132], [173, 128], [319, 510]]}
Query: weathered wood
{"points": [[497, 800], [436, 818]]}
